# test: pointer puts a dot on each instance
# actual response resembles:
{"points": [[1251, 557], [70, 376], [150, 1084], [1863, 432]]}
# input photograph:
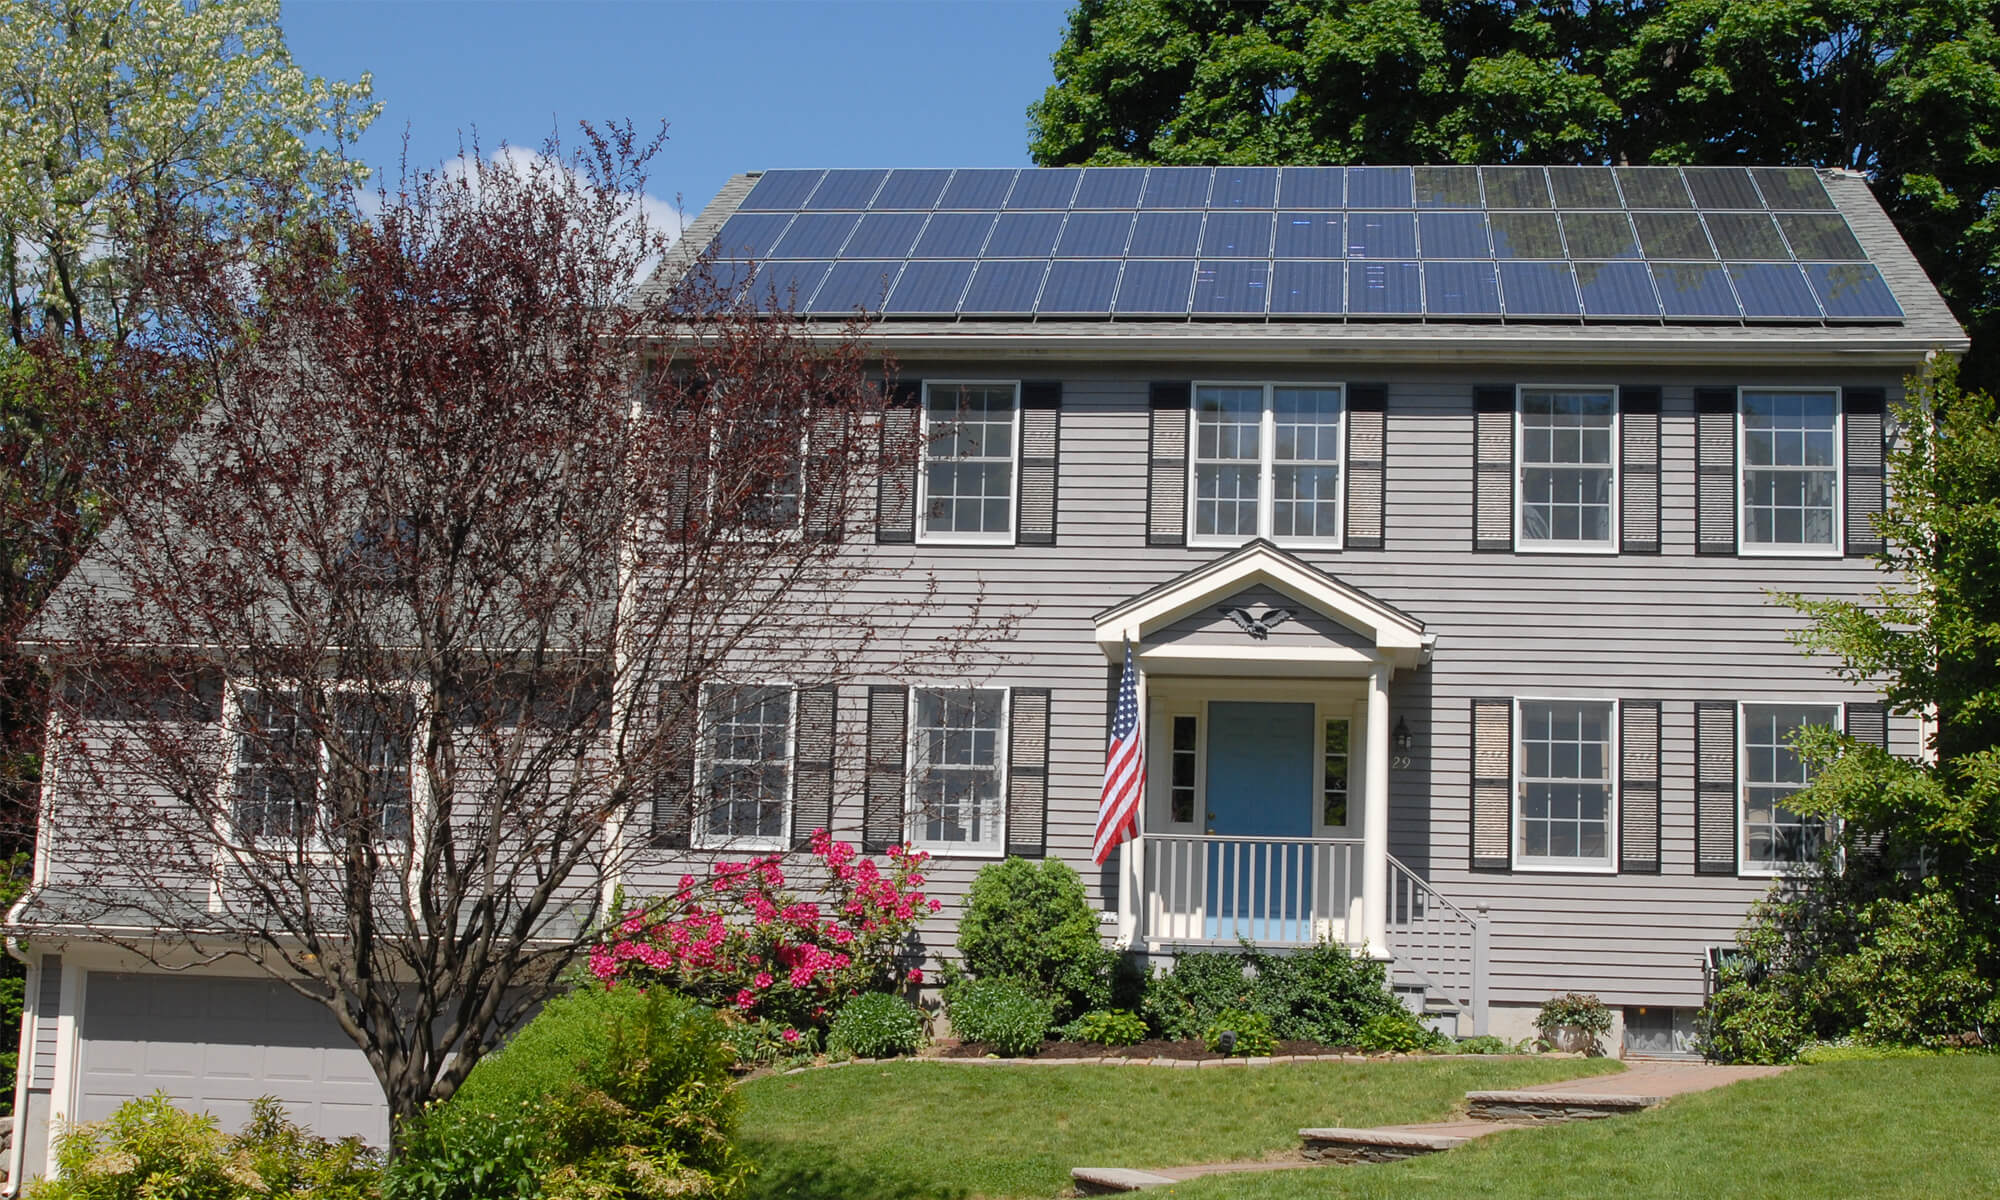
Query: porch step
{"points": [[1553, 1106], [1110, 1181], [1373, 1145]]}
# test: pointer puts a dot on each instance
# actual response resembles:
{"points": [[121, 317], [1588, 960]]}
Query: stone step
{"points": [[1110, 1181], [1553, 1106], [1373, 1145]]}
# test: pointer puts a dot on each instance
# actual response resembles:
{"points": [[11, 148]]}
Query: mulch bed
{"points": [[1190, 1049]]}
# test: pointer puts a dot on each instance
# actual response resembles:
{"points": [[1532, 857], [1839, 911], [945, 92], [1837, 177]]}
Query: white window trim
{"points": [[913, 813], [924, 476], [1748, 549], [705, 798], [1612, 815], [315, 847], [1609, 546], [1267, 444], [1745, 867]]}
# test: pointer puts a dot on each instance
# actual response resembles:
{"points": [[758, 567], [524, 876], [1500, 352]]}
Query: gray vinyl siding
{"points": [[1671, 627]]}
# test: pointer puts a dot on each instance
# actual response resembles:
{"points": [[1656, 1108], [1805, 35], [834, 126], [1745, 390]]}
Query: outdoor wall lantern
{"points": [[1402, 737]]}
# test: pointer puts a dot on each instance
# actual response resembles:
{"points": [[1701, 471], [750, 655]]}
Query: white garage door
{"points": [[217, 1044]]}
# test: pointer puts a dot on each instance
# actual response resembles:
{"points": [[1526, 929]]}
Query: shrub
{"points": [[148, 1148], [1107, 1027], [1322, 993], [1031, 922], [1486, 1043], [1830, 1052], [767, 1043], [742, 940], [1236, 1031], [876, 1025], [620, 1093], [1398, 1031], [1183, 1002], [1745, 1022], [1006, 1014], [1575, 1010]]}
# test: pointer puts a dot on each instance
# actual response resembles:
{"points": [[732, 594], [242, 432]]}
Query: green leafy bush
{"points": [[1578, 1011], [876, 1025], [1398, 1031], [1107, 1027], [1321, 994], [149, 1149], [1241, 1033], [1006, 1014], [764, 1043], [1831, 1052], [1486, 1043], [1031, 922], [624, 1094], [454, 1152]]}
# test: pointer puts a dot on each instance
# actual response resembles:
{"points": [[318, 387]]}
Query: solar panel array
{"points": [[1716, 244]]}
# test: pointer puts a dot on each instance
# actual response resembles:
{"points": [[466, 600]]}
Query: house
{"points": [[1440, 509]]}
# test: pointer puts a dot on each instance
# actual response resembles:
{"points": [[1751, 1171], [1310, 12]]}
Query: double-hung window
{"points": [[746, 765], [1568, 465], [1790, 451], [1266, 462], [1563, 803], [968, 478], [1774, 837], [959, 767], [300, 773]]}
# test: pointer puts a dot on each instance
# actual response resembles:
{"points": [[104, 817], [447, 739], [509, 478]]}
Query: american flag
{"points": [[1124, 769]]}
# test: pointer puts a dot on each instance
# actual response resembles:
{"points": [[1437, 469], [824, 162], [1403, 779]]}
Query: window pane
{"points": [[1228, 436], [1186, 742], [1333, 789], [1568, 471], [955, 783], [277, 768], [969, 477], [1773, 835], [1565, 789]]}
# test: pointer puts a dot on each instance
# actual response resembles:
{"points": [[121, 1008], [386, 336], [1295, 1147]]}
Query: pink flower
{"points": [[935, 906], [763, 979], [745, 1001], [791, 1035], [916, 974]]}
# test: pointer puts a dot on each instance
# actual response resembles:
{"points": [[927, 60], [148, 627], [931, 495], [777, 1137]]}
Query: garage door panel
{"points": [[215, 1045]]}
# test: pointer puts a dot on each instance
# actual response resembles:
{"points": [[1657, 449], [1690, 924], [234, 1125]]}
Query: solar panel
{"points": [[791, 283], [1852, 292], [1385, 289], [1773, 290], [929, 287], [885, 235], [1082, 286], [1155, 288], [1005, 286], [1447, 242], [1381, 235], [1380, 187], [1236, 287], [1616, 289], [714, 283], [1165, 235], [1461, 289], [1453, 235], [1537, 289]]}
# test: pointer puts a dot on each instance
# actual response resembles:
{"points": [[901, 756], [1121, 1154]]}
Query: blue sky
{"points": [[744, 85]]}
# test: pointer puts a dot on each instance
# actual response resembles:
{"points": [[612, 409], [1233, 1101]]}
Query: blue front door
{"points": [[1261, 772]]}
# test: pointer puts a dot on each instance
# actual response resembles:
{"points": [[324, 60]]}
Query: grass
{"points": [[1838, 1131], [900, 1131]]}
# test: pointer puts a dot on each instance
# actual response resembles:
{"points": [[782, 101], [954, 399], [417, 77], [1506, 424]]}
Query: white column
{"points": [[1375, 818], [1132, 856]]}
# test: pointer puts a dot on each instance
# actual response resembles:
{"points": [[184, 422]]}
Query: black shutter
{"points": [[1028, 773], [812, 762], [1367, 451], [1715, 474], [1492, 784], [1041, 439], [888, 749], [1868, 723], [673, 791], [1715, 788], [1639, 470], [1493, 473], [901, 458], [1114, 680], [829, 439], [1167, 466], [1862, 467], [1639, 786]]}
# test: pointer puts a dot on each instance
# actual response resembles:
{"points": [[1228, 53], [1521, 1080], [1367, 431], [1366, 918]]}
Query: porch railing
{"points": [[1204, 889], [1437, 944]]}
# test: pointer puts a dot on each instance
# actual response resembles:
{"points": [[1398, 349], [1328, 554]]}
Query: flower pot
{"points": [[1572, 1039]]}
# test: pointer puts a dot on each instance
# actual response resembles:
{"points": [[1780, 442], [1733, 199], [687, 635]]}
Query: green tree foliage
{"points": [[1906, 91]]}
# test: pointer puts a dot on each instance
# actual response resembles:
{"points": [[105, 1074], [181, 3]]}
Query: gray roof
{"points": [[1928, 324]]}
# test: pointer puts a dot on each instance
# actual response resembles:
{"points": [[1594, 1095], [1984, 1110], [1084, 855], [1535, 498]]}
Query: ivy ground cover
{"points": [[900, 1131]]}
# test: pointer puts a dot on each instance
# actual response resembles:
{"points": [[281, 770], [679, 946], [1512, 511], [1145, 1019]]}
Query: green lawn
{"points": [[901, 1131], [1840, 1131]]}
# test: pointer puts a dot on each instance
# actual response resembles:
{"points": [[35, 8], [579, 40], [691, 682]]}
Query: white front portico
{"points": [[1265, 688]]}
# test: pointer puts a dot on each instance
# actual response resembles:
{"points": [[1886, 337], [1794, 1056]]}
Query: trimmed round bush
{"points": [[1248, 1034], [1031, 921], [876, 1025], [1006, 1014], [1107, 1027]]}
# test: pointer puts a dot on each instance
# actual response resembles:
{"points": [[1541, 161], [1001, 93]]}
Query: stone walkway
{"points": [[1642, 1085]]}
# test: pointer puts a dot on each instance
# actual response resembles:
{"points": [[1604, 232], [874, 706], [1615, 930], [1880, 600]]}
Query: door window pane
{"points": [[1568, 468], [1180, 794], [1565, 785], [1773, 835], [1791, 469], [955, 780], [1333, 786]]}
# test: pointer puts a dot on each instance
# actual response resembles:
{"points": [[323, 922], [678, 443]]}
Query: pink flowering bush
{"points": [[742, 940]]}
